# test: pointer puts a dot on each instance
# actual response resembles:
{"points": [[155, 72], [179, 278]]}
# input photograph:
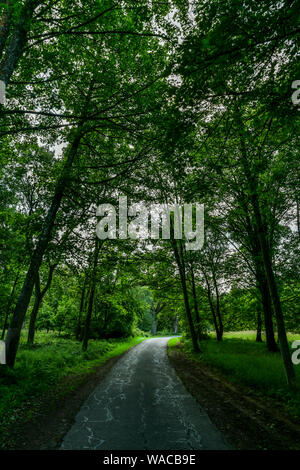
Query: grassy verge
{"points": [[246, 362], [41, 367]]}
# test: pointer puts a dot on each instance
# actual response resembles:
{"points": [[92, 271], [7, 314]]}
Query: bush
{"points": [[137, 332]]}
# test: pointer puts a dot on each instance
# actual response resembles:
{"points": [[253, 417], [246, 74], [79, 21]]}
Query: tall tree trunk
{"points": [[262, 285], [105, 320], [17, 41], [260, 231], [5, 26], [84, 309], [259, 326], [11, 298], [159, 307], [39, 295], [198, 326], [268, 313], [78, 328], [212, 308], [91, 296], [33, 315], [13, 334], [182, 273], [218, 311], [284, 346], [260, 276]]}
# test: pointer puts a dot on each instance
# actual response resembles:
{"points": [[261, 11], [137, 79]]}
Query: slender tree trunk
{"points": [[263, 288], [261, 280], [284, 346], [78, 328], [219, 316], [33, 317], [91, 297], [159, 307], [81, 336], [105, 320], [267, 311], [267, 260], [39, 295], [212, 308], [219, 333], [259, 326], [13, 334], [182, 273], [84, 309], [198, 326], [11, 298]]}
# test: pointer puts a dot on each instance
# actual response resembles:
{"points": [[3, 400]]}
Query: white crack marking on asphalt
{"points": [[142, 404]]}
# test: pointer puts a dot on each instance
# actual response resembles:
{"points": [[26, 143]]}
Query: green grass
{"points": [[244, 361], [172, 343], [40, 367]]}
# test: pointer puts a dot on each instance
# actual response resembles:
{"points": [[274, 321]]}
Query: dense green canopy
{"points": [[163, 102]]}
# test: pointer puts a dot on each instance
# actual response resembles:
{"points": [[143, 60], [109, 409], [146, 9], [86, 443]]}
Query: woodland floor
{"points": [[248, 420], [53, 414]]}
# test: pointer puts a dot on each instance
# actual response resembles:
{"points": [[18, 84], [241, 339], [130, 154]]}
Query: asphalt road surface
{"points": [[142, 404]]}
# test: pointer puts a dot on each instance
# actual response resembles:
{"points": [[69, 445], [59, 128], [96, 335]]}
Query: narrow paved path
{"points": [[142, 404]]}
